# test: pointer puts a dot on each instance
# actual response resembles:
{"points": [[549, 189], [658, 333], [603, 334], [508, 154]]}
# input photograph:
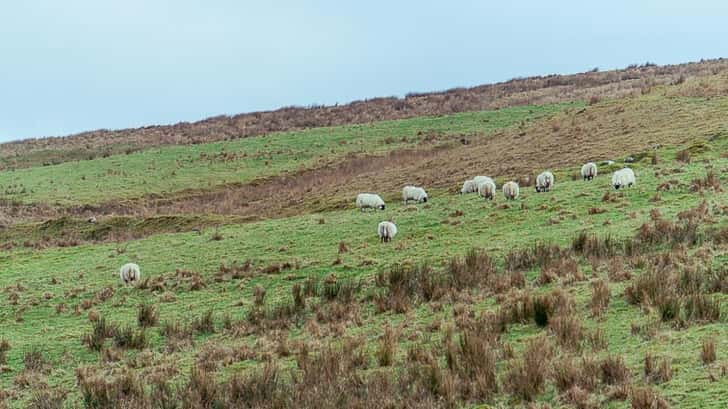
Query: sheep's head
{"points": [[381, 207], [424, 199], [616, 186]]}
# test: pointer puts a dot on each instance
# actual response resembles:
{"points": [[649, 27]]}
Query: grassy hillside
{"points": [[588, 86], [168, 170], [580, 297]]}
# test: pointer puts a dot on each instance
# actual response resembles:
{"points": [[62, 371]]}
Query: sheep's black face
{"points": [[381, 207], [424, 199], [616, 187]]}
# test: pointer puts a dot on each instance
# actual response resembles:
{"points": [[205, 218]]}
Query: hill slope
{"points": [[594, 85], [580, 297]]}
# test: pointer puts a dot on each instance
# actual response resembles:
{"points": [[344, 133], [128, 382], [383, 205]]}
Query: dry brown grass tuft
{"points": [[600, 297], [569, 331], [147, 315], [683, 156], [657, 370], [647, 398], [525, 378], [4, 348], [387, 347], [614, 371], [707, 351]]}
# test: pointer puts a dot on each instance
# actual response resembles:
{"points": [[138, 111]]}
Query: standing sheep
{"points": [[511, 190], [130, 273], [417, 194], [481, 179], [386, 230], [487, 190], [369, 201], [544, 181], [623, 178], [589, 171], [469, 187]]}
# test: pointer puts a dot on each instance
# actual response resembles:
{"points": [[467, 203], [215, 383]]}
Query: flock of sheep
{"points": [[486, 188], [130, 273]]}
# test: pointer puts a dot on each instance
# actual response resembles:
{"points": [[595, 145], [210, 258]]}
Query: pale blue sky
{"points": [[75, 65]]}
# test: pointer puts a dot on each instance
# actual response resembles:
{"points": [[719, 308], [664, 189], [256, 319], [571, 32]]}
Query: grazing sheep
{"points": [[417, 194], [469, 187], [589, 171], [369, 201], [487, 190], [482, 179], [130, 273], [511, 190], [387, 231], [623, 178], [544, 181]]}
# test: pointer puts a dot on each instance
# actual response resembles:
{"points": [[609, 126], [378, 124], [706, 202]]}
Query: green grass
{"points": [[161, 171], [303, 241]]}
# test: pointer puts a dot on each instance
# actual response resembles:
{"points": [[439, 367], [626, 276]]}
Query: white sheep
{"points": [[482, 179], [369, 201], [417, 194], [130, 273], [589, 171], [623, 178], [511, 190], [545, 181], [469, 187], [386, 230], [487, 190]]}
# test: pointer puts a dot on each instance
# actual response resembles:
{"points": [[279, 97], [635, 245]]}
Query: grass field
{"points": [[244, 275], [171, 169]]}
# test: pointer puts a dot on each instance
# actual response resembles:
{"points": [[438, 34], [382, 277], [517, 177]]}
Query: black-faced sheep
{"points": [[469, 186], [369, 201], [511, 190], [386, 230], [130, 273], [623, 178], [544, 181], [589, 171], [487, 190], [417, 194]]}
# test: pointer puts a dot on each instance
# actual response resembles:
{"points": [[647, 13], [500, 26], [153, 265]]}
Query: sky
{"points": [[76, 65]]}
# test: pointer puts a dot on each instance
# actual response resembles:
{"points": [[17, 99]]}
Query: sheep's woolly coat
{"points": [[511, 190], [386, 231], [487, 190], [589, 171], [417, 194], [469, 187], [369, 201], [545, 181], [481, 179], [623, 178], [129, 273]]}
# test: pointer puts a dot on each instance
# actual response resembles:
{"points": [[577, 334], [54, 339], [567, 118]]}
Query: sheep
{"points": [[369, 201], [130, 273], [417, 194], [487, 190], [623, 178], [469, 187], [544, 181], [511, 190], [589, 171], [481, 179], [386, 230]]}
